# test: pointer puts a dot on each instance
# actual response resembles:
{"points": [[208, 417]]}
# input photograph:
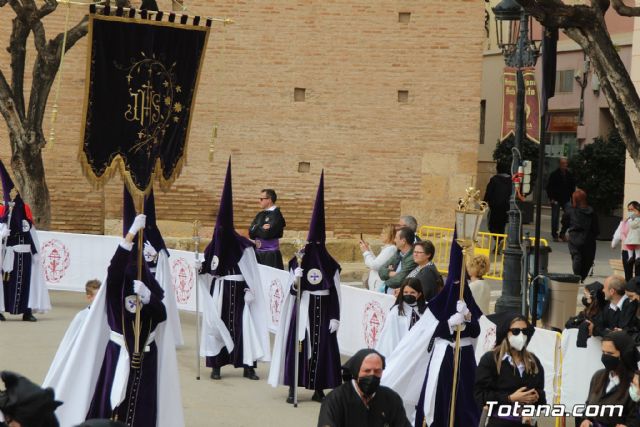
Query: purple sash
{"points": [[267, 245]]}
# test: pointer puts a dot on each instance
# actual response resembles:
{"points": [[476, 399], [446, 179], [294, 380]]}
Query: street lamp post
{"points": [[513, 27]]}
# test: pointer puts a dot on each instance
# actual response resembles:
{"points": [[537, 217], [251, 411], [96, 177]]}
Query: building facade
{"points": [[382, 95]]}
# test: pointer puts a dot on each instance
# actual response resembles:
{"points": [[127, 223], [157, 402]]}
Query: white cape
{"points": [[276, 371], [75, 380], [394, 329], [164, 278], [407, 365], [39, 301], [255, 335]]}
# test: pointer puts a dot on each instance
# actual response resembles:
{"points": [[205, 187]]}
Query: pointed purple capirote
{"points": [[226, 244], [7, 183], [317, 226], [151, 230], [444, 304]]}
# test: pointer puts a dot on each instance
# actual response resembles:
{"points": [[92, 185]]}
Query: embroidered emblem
{"points": [[214, 263], [130, 303], [314, 276]]}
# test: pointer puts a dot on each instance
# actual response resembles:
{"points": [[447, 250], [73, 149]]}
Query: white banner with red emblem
{"points": [[362, 315], [70, 260]]}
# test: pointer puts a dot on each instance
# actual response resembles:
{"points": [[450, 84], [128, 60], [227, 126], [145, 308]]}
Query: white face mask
{"points": [[518, 342], [633, 393]]}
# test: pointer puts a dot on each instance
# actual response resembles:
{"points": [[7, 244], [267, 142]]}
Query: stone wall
{"points": [[390, 112]]}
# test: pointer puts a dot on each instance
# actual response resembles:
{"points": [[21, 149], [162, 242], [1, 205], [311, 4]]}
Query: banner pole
{"points": [[135, 362]]}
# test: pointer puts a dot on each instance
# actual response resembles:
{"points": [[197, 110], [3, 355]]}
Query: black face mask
{"points": [[585, 302], [369, 384], [610, 362], [409, 299]]}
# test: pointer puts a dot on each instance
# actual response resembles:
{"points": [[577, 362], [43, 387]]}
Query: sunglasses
{"points": [[516, 331]]}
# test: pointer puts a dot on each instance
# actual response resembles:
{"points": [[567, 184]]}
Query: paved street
{"points": [[28, 348]]}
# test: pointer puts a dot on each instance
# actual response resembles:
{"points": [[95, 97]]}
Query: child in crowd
{"points": [[91, 290], [477, 267]]}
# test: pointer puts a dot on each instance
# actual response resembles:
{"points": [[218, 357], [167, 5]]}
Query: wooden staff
{"points": [[135, 361], [456, 352], [299, 255], [196, 240]]}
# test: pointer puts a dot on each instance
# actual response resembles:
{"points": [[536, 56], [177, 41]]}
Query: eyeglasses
{"points": [[516, 331]]}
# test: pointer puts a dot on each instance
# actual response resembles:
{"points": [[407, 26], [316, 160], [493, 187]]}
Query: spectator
{"points": [[24, 404], [634, 393], [401, 264], [582, 224], [477, 267], [426, 271], [361, 400], [560, 187], [410, 305], [594, 305], [510, 373], [411, 222], [628, 233], [497, 195], [621, 312], [374, 263], [610, 386]]}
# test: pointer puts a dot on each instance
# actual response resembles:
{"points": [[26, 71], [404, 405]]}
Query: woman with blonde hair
{"points": [[510, 373], [374, 263], [477, 267]]}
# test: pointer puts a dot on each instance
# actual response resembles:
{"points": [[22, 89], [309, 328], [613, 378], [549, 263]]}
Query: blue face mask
{"points": [[633, 393]]}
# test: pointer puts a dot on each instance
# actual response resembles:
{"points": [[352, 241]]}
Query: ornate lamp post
{"points": [[513, 28], [469, 214]]}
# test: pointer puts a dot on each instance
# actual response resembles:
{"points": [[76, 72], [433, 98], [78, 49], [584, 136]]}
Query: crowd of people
{"points": [[116, 365]]}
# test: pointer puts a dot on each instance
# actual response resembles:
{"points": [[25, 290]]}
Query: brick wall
{"points": [[381, 157]]}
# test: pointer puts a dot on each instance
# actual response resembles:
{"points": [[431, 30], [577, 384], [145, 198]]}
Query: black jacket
{"points": [[561, 186], [625, 319]]}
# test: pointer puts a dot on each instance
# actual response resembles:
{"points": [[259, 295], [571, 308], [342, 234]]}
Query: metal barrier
{"points": [[490, 244]]}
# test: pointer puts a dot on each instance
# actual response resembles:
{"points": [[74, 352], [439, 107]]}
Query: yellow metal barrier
{"points": [[489, 244]]}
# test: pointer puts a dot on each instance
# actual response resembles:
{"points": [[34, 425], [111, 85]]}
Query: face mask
{"points": [[518, 342], [409, 299], [632, 215], [369, 384], [633, 393], [610, 362], [585, 301]]}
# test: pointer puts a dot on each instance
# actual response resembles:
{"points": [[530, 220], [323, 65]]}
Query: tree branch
{"points": [[624, 10], [44, 73], [48, 7], [8, 110], [18, 51], [556, 14]]}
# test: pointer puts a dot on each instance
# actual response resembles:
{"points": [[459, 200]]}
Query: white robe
{"points": [[394, 329], [164, 278], [255, 336], [276, 371], [75, 380], [39, 301]]}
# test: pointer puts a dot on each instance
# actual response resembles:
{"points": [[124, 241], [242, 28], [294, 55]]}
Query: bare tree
{"points": [[585, 24], [25, 121]]}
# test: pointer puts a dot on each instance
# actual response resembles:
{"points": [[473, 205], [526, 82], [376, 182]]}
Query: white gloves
{"points": [[248, 296], [138, 224], [333, 325], [142, 290], [149, 252], [461, 307], [4, 231], [457, 319], [198, 265], [298, 272]]}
